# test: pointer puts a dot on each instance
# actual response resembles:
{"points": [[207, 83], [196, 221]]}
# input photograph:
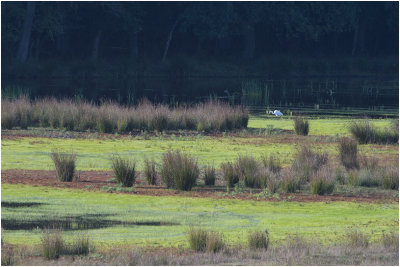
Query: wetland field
{"points": [[299, 193]]}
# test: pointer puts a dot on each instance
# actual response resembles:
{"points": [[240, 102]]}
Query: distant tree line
{"points": [[115, 31]]}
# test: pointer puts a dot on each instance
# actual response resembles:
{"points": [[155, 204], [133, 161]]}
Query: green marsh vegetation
{"points": [[161, 220]]}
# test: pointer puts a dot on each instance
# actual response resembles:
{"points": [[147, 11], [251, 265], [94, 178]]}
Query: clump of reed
{"points": [[110, 117], [306, 163], [64, 164], [150, 171], [209, 175], [124, 170], [52, 243], [258, 240], [365, 133], [301, 126], [202, 240], [348, 153], [322, 182], [179, 171], [230, 173]]}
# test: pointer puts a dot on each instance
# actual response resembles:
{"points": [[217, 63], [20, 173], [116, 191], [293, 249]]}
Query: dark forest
{"points": [[101, 44]]}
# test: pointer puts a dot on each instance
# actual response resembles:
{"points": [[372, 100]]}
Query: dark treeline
{"points": [[163, 30], [110, 49]]}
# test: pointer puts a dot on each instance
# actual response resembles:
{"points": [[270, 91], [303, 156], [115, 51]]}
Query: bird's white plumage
{"points": [[276, 113]]}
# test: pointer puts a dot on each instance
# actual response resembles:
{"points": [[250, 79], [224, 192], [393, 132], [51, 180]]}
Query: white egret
{"points": [[276, 113]]}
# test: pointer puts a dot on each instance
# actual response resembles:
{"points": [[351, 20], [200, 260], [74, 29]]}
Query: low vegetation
{"points": [[52, 243], [209, 175], [258, 240], [202, 240], [301, 126], [322, 182], [64, 164], [179, 171], [348, 153], [110, 117], [366, 133], [150, 171], [124, 170]]}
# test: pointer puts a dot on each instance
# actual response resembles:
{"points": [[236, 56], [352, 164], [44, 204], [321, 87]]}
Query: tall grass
{"points": [[348, 153], [179, 171], [258, 240], [64, 164], [124, 170], [322, 182], [110, 117], [150, 171], [301, 126], [306, 163], [230, 173], [209, 175], [202, 240], [366, 133], [52, 244]]}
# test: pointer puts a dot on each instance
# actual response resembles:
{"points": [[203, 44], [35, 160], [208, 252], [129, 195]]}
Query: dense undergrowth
{"points": [[110, 117]]}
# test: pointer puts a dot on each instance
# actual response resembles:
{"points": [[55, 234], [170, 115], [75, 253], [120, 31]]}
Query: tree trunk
{"points": [[171, 32], [134, 48], [249, 41], [96, 43], [23, 48]]}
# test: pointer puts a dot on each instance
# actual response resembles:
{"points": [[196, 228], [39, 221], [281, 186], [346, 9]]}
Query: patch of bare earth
{"points": [[98, 180]]}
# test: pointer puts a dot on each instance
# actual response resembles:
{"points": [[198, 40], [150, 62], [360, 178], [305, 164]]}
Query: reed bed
{"points": [[110, 117]]}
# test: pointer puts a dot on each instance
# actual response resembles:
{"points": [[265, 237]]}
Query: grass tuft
{"points": [[366, 133], [322, 182], [301, 126], [150, 171], [179, 171], [64, 164], [258, 240], [230, 173], [124, 170], [348, 153], [209, 175], [52, 244]]}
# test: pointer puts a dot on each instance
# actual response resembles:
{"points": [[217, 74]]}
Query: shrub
{"points": [[258, 240], [52, 244], [290, 182], [179, 171], [150, 171], [230, 173], [64, 164], [301, 126], [348, 153], [307, 162], [322, 182], [356, 239], [124, 170], [198, 239], [209, 175], [390, 179], [248, 168], [271, 163]]}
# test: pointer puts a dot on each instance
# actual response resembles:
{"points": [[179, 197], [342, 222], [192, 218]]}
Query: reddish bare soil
{"points": [[97, 180]]}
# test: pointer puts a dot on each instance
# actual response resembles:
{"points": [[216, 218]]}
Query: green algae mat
{"points": [[164, 221]]}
